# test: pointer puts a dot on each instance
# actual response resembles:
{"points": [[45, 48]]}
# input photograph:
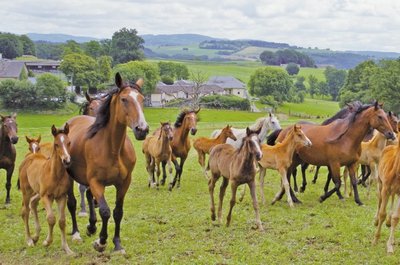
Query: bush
{"points": [[225, 102], [292, 69], [167, 80], [270, 101]]}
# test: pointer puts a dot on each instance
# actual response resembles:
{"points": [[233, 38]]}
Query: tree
{"points": [[269, 58], [48, 50], [292, 69], [323, 88], [105, 47], [199, 79], [10, 45], [313, 85], [134, 70], [299, 84], [28, 46], [335, 80], [71, 47], [176, 71], [271, 81], [51, 90], [105, 70], [93, 49], [126, 46]]}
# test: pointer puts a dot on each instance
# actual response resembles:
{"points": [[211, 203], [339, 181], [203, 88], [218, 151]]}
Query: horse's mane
{"points": [[83, 110], [351, 119], [181, 116], [259, 123], [271, 138], [341, 114], [103, 116]]}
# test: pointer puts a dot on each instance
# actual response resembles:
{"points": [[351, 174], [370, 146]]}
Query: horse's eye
{"points": [[56, 145], [380, 117], [124, 100]]}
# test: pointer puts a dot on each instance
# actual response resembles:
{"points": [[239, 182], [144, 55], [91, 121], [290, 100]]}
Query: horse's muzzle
{"points": [[66, 162], [193, 131], [14, 139], [259, 156], [390, 136], [140, 134]]}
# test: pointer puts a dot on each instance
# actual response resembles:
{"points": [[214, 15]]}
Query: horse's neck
{"points": [[263, 132], [5, 145], [164, 143], [245, 160], [288, 145], [114, 133], [379, 141], [357, 131], [221, 138], [181, 133], [56, 167]]}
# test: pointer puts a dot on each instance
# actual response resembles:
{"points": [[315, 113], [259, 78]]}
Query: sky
{"points": [[335, 24]]}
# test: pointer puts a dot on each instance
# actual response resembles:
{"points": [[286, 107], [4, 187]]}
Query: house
{"points": [[183, 89], [13, 70], [48, 66]]}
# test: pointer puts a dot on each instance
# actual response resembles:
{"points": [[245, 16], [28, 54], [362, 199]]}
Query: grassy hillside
{"points": [[161, 227]]}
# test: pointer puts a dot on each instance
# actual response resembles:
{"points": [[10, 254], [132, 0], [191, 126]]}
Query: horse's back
{"points": [[220, 158]]}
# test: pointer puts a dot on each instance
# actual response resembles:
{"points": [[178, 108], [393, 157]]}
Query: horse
{"points": [[389, 186], [185, 122], [8, 138], [339, 144], [268, 123], [203, 145], [280, 156], [33, 144], [157, 149], [237, 166], [46, 179], [102, 155]]}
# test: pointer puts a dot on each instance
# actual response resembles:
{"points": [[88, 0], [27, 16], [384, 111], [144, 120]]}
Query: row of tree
{"points": [[12, 46], [286, 56]]}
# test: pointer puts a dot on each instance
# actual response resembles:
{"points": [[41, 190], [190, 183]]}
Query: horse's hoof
{"points": [[273, 202], [82, 214], [68, 251], [296, 189], [390, 249], [314, 181], [98, 246], [76, 237], [120, 251], [376, 222], [170, 187], [162, 182], [213, 217], [91, 230], [388, 224], [35, 239], [321, 199], [46, 243], [30, 242], [360, 203], [302, 190], [374, 242]]}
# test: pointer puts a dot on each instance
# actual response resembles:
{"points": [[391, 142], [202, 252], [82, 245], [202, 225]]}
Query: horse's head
{"points": [[252, 143], [272, 122], [166, 129], [92, 106], [299, 137], [62, 144], [34, 144], [393, 120], [378, 120], [9, 127], [190, 121], [227, 131], [130, 107]]}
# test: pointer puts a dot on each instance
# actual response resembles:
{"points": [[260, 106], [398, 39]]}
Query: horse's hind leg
{"points": [[82, 189], [61, 222], [352, 171], [381, 213], [252, 186], [294, 174], [25, 217], [334, 173], [286, 186], [211, 187], [71, 203], [304, 167], [10, 171], [262, 175], [51, 220], [33, 204], [164, 175], [234, 187], [182, 162], [118, 213], [395, 221], [222, 190], [91, 228], [316, 175], [177, 171]]}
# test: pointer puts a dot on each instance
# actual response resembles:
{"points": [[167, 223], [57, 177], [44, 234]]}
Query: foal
{"points": [[389, 185], [156, 150], [237, 166], [46, 179], [280, 157], [33, 145], [203, 145]]}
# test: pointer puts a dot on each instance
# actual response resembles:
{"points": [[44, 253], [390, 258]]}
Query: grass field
{"points": [[161, 227]]}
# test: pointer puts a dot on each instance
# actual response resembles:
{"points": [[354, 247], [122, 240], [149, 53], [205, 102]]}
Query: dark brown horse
{"points": [[8, 137], [339, 144], [102, 155]]}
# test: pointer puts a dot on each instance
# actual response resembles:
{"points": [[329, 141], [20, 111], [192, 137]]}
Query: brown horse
{"points": [[237, 166], [92, 106], [280, 157], [389, 185], [203, 145], [46, 179], [157, 149], [339, 144], [103, 155], [180, 144], [8, 137]]}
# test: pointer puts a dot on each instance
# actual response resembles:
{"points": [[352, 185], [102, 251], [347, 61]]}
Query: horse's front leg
{"points": [[164, 176], [316, 175], [222, 190], [158, 173], [33, 204], [119, 212], [252, 186], [294, 175], [352, 172], [177, 170], [82, 212], [182, 162], [61, 222], [286, 186], [91, 227], [304, 167], [97, 190], [334, 173], [51, 219], [10, 171], [71, 204], [234, 187]]}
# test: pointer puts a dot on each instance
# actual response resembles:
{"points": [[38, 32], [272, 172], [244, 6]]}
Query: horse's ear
{"points": [[66, 128], [297, 127], [14, 116], [350, 107], [270, 114], [118, 80], [390, 113], [27, 139], [87, 96], [376, 105], [40, 138], [140, 82], [53, 130], [197, 111], [248, 132]]}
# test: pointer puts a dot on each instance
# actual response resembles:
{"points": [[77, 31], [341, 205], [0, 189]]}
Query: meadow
{"points": [[162, 227]]}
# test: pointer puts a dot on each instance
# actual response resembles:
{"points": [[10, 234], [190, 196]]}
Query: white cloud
{"points": [[335, 24]]}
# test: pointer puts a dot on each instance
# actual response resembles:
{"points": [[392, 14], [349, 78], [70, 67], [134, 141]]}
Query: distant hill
{"points": [[378, 55], [58, 38], [174, 39]]}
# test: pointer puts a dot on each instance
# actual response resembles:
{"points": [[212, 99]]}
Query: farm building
{"points": [[183, 89], [12, 70], [47, 66]]}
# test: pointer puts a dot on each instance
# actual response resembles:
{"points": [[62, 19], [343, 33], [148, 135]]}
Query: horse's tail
{"points": [[273, 136]]}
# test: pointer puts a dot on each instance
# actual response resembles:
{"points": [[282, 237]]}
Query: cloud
{"points": [[335, 24]]}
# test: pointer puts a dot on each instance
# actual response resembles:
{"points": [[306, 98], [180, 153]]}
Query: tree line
{"points": [[12, 46], [286, 56]]}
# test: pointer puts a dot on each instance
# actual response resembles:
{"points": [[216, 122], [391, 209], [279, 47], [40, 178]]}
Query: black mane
{"points": [[343, 113], [181, 116]]}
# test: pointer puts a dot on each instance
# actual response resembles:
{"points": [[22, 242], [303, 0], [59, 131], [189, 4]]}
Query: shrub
{"points": [[225, 102]]}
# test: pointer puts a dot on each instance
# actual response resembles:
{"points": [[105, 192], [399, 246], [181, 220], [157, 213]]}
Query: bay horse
{"points": [[103, 155], [203, 145], [267, 123], [8, 138], [389, 186], [46, 179], [237, 167], [279, 157], [185, 122], [157, 149], [339, 144]]}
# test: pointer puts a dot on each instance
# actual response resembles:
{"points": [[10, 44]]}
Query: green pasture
{"points": [[162, 227]]}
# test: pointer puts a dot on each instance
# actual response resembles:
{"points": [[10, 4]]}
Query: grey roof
{"points": [[43, 63], [226, 82], [11, 69], [187, 87]]}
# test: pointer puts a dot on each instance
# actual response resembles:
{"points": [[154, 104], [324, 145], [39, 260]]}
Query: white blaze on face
{"points": [[254, 139], [65, 151], [141, 123], [34, 148]]}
